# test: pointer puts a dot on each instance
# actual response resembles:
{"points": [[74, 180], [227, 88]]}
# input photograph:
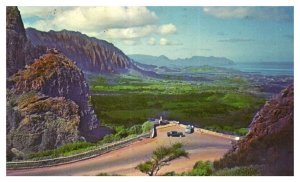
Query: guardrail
{"points": [[232, 137], [77, 157], [201, 130]]}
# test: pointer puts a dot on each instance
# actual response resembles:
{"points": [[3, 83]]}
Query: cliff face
{"points": [[90, 54], [15, 41], [270, 142], [19, 50]]}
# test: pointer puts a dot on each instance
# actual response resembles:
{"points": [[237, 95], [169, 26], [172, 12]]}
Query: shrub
{"points": [[200, 168], [238, 171], [242, 131], [171, 173], [147, 126], [122, 134], [135, 129], [108, 138]]}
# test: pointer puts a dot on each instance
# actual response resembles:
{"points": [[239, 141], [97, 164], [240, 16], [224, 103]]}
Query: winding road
{"points": [[123, 161]]}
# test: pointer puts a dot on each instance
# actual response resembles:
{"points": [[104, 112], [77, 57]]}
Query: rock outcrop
{"points": [[57, 76], [270, 142], [90, 54], [38, 122]]}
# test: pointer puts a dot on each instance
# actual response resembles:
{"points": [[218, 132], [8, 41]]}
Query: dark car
{"points": [[175, 134]]}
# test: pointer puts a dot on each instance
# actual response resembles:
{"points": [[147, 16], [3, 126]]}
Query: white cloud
{"points": [[88, 18], [41, 11], [152, 41], [139, 32], [264, 13], [167, 28], [110, 23], [129, 33], [166, 42], [227, 12]]}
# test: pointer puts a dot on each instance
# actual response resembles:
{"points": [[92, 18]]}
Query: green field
{"points": [[220, 105]]}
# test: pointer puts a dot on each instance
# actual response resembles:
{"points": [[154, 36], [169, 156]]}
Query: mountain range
{"points": [[194, 61], [90, 54]]}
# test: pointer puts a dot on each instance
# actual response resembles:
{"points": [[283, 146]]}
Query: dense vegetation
{"points": [[222, 105]]}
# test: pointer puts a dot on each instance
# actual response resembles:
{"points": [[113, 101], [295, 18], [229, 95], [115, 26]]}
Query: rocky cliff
{"points": [[19, 50], [90, 54], [270, 142], [15, 41]]}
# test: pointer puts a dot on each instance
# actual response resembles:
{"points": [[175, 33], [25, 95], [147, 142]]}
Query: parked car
{"points": [[175, 134], [189, 129]]}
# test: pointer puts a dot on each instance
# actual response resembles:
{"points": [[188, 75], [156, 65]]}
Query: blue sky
{"points": [[242, 34]]}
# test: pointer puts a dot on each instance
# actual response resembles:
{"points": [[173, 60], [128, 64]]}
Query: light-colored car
{"points": [[189, 129]]}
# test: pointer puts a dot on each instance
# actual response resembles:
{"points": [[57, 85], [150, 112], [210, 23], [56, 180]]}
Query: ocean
{"points": [[271, 69]]}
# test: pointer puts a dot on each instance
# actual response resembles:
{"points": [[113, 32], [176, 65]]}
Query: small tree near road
{"points": [[161, 157]]}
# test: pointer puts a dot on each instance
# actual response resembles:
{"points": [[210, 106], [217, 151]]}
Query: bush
{"points": [[238, 171], [122, 134], [61, 150], [172, 173], [242, 131], [147, 126], [200, 168], [135, 129], [108, 139]]}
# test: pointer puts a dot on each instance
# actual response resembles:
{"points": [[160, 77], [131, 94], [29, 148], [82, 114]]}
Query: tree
{"points": [[161, 157]]}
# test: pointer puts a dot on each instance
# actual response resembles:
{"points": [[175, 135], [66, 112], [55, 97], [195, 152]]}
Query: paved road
{"points": [[123, 161]]}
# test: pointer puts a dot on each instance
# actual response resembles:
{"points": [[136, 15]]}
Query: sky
{"points": [[243, 34]]}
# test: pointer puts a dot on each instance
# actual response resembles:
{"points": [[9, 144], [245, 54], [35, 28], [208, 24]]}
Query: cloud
{"points": [[167, 29], [138, 32], [235, 40], [262, 13], [129, 33], [151, 41], [111, 23], [166, 42], [88, 18]]}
